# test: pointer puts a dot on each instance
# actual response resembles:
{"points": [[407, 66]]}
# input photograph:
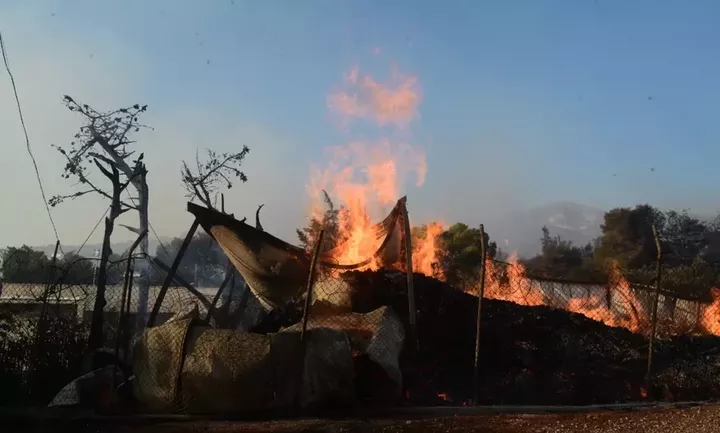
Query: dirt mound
{"points": [[533, 355]]}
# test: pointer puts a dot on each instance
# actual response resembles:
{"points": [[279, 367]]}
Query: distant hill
{"points": [[521, 231]]}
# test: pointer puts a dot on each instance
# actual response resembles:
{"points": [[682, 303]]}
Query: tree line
{"points": [[690, 251]]}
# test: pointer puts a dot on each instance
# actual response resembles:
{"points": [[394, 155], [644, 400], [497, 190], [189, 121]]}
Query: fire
{"points": [[425, 251], [710, 316], [596, 308], [366, 177], [511, 285]]}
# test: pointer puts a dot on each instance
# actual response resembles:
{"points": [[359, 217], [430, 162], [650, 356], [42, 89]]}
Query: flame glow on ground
{"points": [[365, 177]]}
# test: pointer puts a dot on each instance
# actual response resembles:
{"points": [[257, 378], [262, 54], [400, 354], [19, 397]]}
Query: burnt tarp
{"points": [[277, 271], [199, 369]]}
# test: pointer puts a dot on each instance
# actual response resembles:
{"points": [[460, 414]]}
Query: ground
{"points": [[704, 419]]}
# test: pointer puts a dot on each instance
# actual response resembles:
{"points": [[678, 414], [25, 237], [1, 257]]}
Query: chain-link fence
{"points": [[532, 351], [365, 337]]}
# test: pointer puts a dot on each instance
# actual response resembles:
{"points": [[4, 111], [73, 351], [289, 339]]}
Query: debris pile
{"points": [[532, 355]]}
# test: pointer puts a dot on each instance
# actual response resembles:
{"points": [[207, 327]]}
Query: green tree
{"points": [[25, 265], [459, 255], [76, 269], [684, 237], [627, 236], [559, 258], [331, 222], [204, 260]]}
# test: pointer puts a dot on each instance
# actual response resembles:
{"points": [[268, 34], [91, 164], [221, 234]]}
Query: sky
{"points": [[512, 104]]}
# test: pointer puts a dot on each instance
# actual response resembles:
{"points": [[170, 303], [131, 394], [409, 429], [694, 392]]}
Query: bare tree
{"points": [[103, 142], [210, 175]]}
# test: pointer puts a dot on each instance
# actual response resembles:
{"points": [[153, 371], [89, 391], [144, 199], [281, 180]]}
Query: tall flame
{"points": [[366, 177]]}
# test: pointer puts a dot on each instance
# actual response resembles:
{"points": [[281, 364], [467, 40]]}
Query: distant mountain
{"points": [[88, 249], [521, 231]]}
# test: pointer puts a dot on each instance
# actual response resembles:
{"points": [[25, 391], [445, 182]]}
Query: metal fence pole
{"points": [[481, 293], [656, 298], [171, 273]]}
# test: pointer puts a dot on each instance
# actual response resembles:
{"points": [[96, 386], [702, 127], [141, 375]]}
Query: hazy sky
{"points": [[519, 102]]}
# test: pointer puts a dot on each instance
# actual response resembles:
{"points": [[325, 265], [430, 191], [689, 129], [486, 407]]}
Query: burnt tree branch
{"points": [[204, 180]]}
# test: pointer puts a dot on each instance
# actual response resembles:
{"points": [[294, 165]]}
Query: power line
{"points": [[27, 138], [93, 230]]}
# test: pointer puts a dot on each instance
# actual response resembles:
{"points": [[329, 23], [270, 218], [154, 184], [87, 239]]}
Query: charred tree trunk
{"points": [[96, 337]]}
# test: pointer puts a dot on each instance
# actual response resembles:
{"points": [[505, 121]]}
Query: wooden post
{"points": [[412, 310], [481, 294], [655, 305], [172, 272], [222, 202], [306, 314]]}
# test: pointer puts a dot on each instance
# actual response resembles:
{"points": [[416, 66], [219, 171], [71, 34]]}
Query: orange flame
{"points": [[710, 316], [510, 285], [596, 308], [366, 178], [425, 251]]}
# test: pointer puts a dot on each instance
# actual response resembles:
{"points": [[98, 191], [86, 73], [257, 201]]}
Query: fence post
{"points": [[481, 293], [412, 311], [306, 314], [656, 298]]}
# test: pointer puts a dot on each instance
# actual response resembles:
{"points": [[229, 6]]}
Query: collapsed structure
{"points": [[202, 369]]}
